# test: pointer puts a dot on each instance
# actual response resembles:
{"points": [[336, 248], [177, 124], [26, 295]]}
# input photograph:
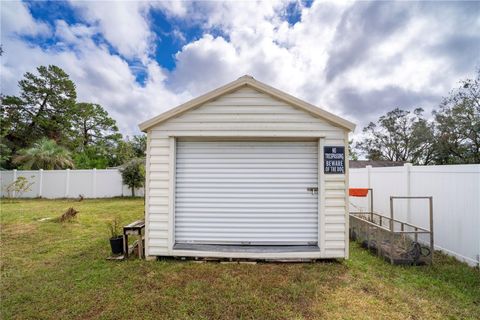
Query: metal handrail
{"points": [[388, 218], [368, 219]]}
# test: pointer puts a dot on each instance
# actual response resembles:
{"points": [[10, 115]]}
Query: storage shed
{"points": [[247, 171]]}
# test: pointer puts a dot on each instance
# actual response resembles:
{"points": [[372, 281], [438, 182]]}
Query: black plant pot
{"points": [[117, 245]]}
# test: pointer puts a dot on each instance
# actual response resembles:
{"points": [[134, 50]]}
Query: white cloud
{"points": [[172, 8], [262, 45], [393, 55], [100, 77], [16, 19], [124, 25], [397, 61], [206, 56]]}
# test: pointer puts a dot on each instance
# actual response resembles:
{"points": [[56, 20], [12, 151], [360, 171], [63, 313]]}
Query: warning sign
{"points": [[334, 160]]}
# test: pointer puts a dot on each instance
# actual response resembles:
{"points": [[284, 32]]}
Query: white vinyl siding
{"points": [[247, 114], [246, 192]]}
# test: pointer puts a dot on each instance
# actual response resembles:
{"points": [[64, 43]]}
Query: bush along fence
{"points": [[52, 184], [456, 202]]}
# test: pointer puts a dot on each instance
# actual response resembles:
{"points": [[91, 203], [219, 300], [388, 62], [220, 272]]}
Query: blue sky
{"points": [[356, 59], [163, 27]]}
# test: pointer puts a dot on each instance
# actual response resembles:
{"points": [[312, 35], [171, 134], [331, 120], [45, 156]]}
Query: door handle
{"points": [[313, 190]]}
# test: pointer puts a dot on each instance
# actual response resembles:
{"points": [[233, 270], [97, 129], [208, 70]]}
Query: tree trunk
{"points": [[133, 191], [85, 134], [40, 110]]}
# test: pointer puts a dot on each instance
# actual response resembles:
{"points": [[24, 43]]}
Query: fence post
{"points": [[67, 183], [40, 182], [14, 179], [392, 229], [408, 193], [432, 244], [369, 183], [94, 183], [477, 190]]}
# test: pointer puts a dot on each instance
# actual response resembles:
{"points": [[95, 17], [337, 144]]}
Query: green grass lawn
{"points": [[51, 270]]}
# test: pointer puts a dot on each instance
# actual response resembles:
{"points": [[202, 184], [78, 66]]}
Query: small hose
{"points": [[416, 251]]}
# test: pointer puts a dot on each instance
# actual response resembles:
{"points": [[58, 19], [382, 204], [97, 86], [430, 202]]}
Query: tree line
{"points": [[45, 127], [451, 136]]}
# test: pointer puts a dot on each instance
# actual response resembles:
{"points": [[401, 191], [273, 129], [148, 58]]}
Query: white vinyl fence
{"points": [[456, 202], [53, 184]]}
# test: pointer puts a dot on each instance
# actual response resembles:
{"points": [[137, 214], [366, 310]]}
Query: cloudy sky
{"points": [[138, 59]]}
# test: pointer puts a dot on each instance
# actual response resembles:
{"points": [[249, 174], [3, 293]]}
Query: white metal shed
{"points": [[247, 171]]}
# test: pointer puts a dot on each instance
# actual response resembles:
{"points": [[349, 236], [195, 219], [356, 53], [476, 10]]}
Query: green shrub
{"points": [[133, 174]]}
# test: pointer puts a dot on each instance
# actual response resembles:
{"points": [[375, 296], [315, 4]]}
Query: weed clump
{"points": [[67, 216]]}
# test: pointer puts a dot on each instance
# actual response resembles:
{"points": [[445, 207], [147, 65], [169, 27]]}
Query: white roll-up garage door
{"points": [[246, 192]]}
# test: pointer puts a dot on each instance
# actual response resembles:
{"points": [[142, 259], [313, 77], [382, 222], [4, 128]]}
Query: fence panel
{"points": [[108, 183], [456, 207], [6, 178], [456, 202], [81, 183], [388, 182], [54, 184], [33, 178]]}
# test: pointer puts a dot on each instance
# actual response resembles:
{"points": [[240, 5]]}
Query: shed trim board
{"points": [[347, 199], [278, 121], [147, 195], [321, 195], [172, 181]]}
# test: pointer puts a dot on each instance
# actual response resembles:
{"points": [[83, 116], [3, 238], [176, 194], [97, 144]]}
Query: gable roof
{"points": [[255, 84]]}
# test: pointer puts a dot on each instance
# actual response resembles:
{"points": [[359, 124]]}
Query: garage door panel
{"points": [[221, 176], [271, 160], [223, 220], [200, 186], [280, 226], [246, 192], [199, 167], [252, 181], [248, 238], [242, 168], [258, 206], [250, 197], [214, 144], [244, 211]]}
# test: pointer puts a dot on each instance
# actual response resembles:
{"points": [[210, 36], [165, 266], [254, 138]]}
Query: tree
{"points": [[352, 152], [123, 153], [94, 136], [139, 144], [46, 107], [5, 154], [126, 150], [45, 154], [18, 187], [92, 157], [457, 125], [133, 174], [43, 109], [91, 125], [399, 136]]}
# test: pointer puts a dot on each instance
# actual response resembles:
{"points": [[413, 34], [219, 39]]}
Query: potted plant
{"points": [[116, 237]]}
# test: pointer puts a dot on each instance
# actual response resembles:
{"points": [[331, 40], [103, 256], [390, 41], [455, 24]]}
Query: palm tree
{"points": [[44, 154]]}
